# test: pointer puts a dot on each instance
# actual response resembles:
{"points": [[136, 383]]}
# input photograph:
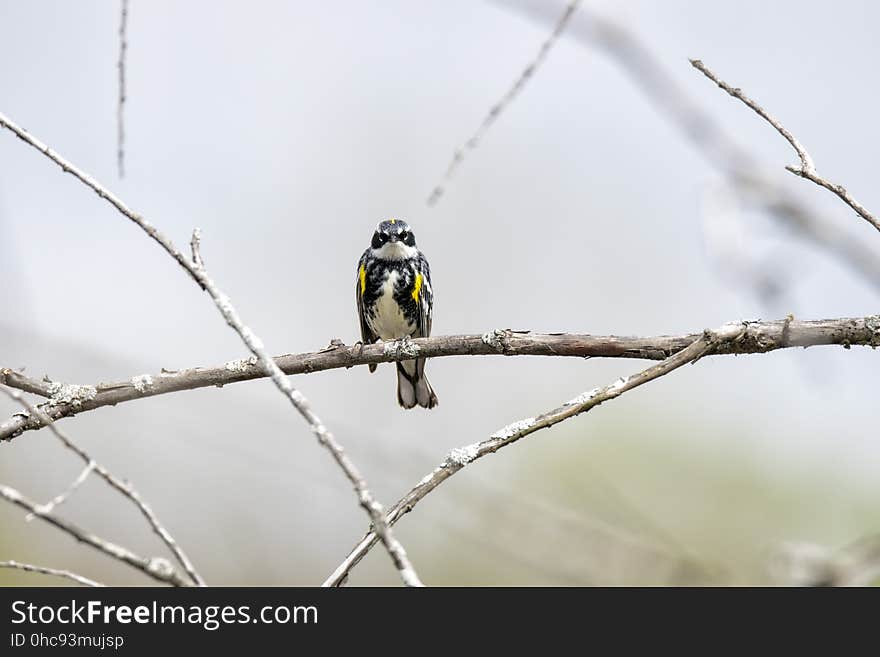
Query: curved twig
{"points": [[496, 109], [807, 169]]}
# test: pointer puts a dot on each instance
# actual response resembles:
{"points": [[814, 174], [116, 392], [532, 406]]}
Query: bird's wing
{"points": [[425, 299], [367, 336]]}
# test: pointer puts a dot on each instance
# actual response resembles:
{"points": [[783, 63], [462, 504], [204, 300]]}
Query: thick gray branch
{"points": [[723, 340], [761, 337]]}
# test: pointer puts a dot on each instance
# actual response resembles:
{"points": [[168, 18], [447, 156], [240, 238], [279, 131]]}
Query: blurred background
{"points": [[286, 130]]}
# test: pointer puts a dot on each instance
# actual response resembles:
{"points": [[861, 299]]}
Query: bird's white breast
{"points": [[388, 322], [395, 251]]}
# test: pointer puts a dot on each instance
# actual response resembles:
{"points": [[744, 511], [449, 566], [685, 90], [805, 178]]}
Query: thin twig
{"points": [[120, 114], [807, 169], [120, 485], [157, 568], [709, 342], [253, 343], [62, 497], [763, 336], [702, 129], [496, 109], [79, 579], [806, 160], [195, 245]]}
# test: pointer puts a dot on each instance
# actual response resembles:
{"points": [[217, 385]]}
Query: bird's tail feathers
{"points": [[412, 385]]}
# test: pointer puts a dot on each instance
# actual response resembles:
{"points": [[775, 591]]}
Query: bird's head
{"points": [[394, 240]]}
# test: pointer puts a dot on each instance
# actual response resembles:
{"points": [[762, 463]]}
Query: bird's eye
{"points": [[404, 236]]}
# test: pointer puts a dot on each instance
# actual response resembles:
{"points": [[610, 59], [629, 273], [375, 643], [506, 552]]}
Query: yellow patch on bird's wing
{"points": [[363, 276], [417, 288]]}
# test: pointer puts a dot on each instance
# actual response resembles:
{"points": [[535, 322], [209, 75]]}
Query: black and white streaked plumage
{"points": [[395, 300]]}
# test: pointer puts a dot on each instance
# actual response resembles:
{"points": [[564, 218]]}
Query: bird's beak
{"points": [[393, 238]]}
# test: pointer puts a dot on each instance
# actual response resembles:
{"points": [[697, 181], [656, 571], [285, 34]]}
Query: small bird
{"points": [[395, 301]]}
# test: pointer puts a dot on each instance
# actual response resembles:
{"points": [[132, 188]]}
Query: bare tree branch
{"points": [[120, 114], [79, 579], [157, 568], [196, 269], [718, 341], [124, 487], [68, 400], [704, 131], [807, 169], [496, 109]]}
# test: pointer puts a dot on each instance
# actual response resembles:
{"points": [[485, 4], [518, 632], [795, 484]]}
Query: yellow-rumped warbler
{"points": [[395, 300]]}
